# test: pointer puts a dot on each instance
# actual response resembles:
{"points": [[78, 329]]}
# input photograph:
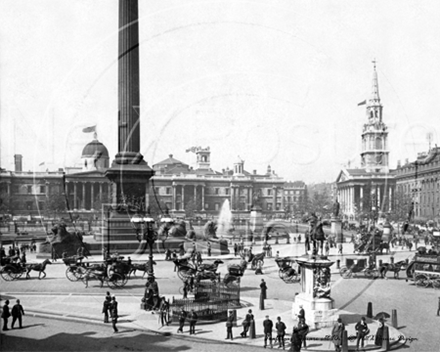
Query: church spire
{"points": [[375, 99]]}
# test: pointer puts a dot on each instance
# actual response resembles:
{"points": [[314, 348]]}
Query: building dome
{"points": [[94, 149], [95, 156]]}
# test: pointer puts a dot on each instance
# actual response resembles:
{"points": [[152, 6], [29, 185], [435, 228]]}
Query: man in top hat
{"points": [[301, 313], [268, 326]]}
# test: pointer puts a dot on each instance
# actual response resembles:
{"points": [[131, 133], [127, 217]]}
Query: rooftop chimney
{"points": [[255, 172], [18, 159]]}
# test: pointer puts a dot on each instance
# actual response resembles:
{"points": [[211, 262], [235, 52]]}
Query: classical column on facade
{"points": [[274, 198], [75, 195], [203, 198], [182, 206], [100, 192], [195, 195], [83, 195], [379, 199], [174, 197], [250, 196], [282, 198], [390, 197], [231, 201], [361, 198], [92, 195]]}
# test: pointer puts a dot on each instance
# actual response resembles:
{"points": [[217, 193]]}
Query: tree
{"points": [[402, 204]]}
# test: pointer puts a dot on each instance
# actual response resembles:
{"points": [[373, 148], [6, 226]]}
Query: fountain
{"points": [[224, 220]]}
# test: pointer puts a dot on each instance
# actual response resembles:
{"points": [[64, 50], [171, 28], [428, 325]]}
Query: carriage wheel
{"points": [[6, 275], [116, 281], [70, 274], [345, 272], [368, 273], [421, 280], [79, 272], [260, 262], [16, 274], [436, 283]]}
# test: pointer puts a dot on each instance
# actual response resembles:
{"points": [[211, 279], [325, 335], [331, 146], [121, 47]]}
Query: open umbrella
{"points": [[382, 315]]}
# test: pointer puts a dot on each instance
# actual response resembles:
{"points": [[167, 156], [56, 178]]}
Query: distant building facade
{"points": [[372, 186], [180, 188]]}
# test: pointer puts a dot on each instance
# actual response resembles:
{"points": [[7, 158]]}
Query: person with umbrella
{"points": [[361, 331]]}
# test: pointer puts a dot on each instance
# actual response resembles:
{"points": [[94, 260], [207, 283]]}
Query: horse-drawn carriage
{"points": [[368, 243], [113, 271], [187, 271], [235, 272], [13, 270], [356, 266], [286, 271]]}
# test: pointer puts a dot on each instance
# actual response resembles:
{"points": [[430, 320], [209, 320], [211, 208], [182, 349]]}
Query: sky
{"points": [[274, 82]]}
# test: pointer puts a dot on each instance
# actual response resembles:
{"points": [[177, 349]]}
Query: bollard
{"points": [[261, 301], [385, 339], [338, 264], [234, 322], [288, 240], [407, 261], [392, 260], [370, 310], [344, 344], [394, 318], [252, 332]]}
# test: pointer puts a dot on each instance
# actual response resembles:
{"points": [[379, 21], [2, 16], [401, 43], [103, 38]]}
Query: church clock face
{"points": [[379, 158]]}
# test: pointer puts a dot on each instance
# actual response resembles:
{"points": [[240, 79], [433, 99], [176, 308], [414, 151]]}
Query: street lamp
{"points": [[374, 219], [145, 231]]}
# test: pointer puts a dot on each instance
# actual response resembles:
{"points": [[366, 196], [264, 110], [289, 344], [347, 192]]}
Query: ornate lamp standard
{"points": [[144, 226]]}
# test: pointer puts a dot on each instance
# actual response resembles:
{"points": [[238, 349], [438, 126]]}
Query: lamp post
{"points": [[374, 218], [145, 231]]}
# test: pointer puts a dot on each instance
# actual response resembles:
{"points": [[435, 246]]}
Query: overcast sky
{"points": [[275, 82]]}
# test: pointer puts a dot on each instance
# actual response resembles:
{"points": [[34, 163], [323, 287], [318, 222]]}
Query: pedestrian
{"points": [[247, 323], [281, 332], [192, 320], [182, 318], [337, 333], [17, 313], [303, 330], [301, 313], [114, 313], [209, 249], [299, 238], [340, 248], [185, 289], [295, 341], [23, 258], [5, 315], [229, 324], [270, 251], [438, 309], [361, 331], [268, 326], [327, 248], [263, 294], [259, 269], [378, 339], [235, 249], [106, 308]]}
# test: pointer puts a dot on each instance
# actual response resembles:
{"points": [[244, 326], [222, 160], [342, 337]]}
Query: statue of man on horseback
{"points": [[316, 233]]}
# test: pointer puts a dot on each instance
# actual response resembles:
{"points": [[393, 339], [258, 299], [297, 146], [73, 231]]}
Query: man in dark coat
{"points": [[302, 313], [247, 323], [17, 313], [229, 324], [337, 333], [268, 326], [5, 315], [192, 320], [209, 249], [303, 330], [281, 332], [106, 308], [182, 318], [361, 331], [114, 313], [263, 288], [295, 340], [378, 340]]}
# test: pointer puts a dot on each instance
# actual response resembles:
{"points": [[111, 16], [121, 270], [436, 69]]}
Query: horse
{"points": [[210, 267], [141, 267], [40, 267], [395, 268], [207, 275], [97, 273], [317, 235]]}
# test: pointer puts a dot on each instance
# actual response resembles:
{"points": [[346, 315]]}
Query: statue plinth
{"points": [[314, 297], [336, 229], [256, 220]]}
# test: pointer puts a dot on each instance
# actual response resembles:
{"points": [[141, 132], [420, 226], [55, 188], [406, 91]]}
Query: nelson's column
{"points": [[129, 173]]}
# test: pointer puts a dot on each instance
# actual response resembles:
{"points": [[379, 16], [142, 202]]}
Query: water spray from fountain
{"points": [[224, 220]]}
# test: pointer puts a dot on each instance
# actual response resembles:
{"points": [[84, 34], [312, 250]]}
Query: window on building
{"points": [[206, 206], [217, 206], [269, 206], [41, 205], [278, 206], [217, 191], [42, 189], [29, 205], [29, 189], [168, 205], [269, 192], [227, 191], [168, 190], [15, 189], [157, 190]]}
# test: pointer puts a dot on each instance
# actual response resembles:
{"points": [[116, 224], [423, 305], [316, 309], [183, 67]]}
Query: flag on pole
{"points": [[362, 102], [89, 129], [192, 150], [41, 164]]}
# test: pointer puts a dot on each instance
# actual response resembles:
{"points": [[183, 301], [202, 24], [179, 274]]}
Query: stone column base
{"points": [[319, 312]]}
